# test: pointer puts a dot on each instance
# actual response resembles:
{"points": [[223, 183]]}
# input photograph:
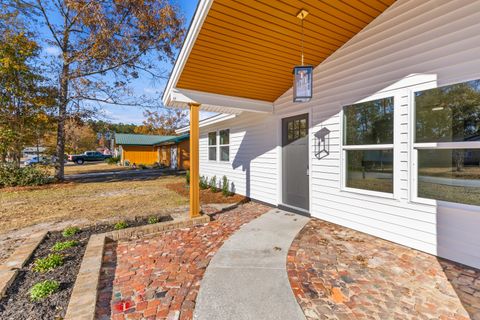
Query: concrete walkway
{"points": [[247, 277]]}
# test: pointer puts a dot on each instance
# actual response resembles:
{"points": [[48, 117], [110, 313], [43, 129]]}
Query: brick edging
{"points": [[84, 295], [17, 260], [137, 232], [83, 300]]}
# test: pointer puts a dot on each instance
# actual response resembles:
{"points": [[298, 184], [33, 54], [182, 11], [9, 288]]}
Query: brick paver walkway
{"points": [[338, 273], [159, 277]]}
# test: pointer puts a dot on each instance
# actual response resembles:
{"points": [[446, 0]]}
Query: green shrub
{"points": [[113, 160], [70, 231], [60, 246], [48, 263], [213, 184], [153, 220], [142, 166], [203, 183], [120, 225], [43, 289], [11, 176], [187, 177], [225, 187]]}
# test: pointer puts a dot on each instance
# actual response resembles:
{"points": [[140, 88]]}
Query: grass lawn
{"points": [[92, 167], [93, 201]]}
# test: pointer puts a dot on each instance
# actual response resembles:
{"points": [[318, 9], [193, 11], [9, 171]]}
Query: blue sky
{"points": [[142, 86]]}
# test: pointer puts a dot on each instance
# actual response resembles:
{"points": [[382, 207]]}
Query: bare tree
{"points": [[103, 46]]}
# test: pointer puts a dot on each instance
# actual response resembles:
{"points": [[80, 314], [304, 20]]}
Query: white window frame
{"points": [[218, 145], [432, 146], [212, 146], [223, 145], [344, 148]]}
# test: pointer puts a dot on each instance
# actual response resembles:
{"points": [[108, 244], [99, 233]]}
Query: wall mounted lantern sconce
{"points": [[322, 143]]}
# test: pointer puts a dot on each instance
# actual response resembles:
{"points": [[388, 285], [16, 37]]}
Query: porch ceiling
{"points": [[248, 48]]}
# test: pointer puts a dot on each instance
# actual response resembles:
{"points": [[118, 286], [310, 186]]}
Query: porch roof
{"points": [[239, 55]]}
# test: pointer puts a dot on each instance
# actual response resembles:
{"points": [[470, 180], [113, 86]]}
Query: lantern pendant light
{"points": [[302, 74]]}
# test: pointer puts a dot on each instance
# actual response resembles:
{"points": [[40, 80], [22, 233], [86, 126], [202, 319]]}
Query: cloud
{"points": [[52, 51]]}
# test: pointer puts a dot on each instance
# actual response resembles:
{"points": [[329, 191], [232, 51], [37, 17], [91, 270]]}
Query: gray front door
{"points": [[295, 161]]}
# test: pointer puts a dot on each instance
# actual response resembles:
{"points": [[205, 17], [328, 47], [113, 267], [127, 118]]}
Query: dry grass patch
{"points": [[93, 168], [92, 201]]}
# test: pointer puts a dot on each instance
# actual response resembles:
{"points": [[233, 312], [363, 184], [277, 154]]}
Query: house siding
{"points": [[140, 154], [184, 155], [412, 46]]}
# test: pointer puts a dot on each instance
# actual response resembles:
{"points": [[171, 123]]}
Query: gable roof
{"points": [[244, 51], [176, 139], [140, 139]]}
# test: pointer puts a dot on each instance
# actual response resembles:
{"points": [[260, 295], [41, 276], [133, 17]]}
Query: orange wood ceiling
{"points": [[248, 48]]}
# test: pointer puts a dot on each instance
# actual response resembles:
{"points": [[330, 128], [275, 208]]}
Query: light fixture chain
{"points": [[302, 43]]}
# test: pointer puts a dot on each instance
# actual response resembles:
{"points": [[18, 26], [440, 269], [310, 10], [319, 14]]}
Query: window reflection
{"points": [[370, 170], [449, 175], [449, 114], [369, 122]]}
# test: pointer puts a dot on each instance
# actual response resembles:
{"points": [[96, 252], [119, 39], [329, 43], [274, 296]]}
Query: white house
{"points": [[388, 142]]}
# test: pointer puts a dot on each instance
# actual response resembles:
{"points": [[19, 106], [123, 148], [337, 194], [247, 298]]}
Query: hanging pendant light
{"points": [[302, 74]]}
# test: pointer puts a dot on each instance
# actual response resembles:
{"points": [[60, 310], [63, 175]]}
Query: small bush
{"points": [[213, 184], [48, 263], [60, 246], [12, 176], [120, 225], [187, 177], [70, 231], [225, 187], [153, 220], [203, 183], [142, 166], [113, 160], [43, 289]]}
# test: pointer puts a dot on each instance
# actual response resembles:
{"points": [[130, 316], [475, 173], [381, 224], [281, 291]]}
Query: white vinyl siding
{"points": [[414, 45], [253, 160]]}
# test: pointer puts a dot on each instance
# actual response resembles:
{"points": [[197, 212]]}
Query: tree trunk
{"points": [[62, 108], [62, 116]]}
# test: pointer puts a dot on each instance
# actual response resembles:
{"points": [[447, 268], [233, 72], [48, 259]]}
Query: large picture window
{"points": [[447, 143], [368, 145]]}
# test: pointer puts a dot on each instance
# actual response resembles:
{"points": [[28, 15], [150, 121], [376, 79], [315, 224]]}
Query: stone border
{"points": [[83, 300], [9, 269]]}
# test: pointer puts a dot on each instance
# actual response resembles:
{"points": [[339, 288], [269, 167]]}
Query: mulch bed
{"points": [[17, 304], [206, 196]]}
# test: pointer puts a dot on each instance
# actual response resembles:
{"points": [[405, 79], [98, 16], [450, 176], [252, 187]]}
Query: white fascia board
{"points": [[216, 102], [209, 121], [195, 27]]}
